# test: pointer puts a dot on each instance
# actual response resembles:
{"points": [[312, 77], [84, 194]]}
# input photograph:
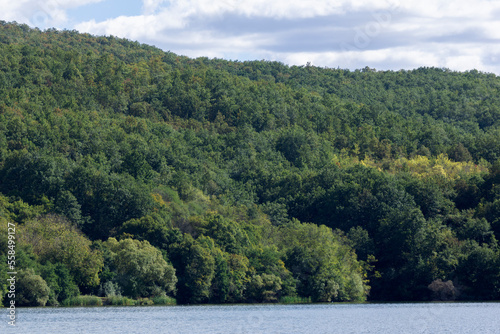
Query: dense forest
{"points": [[131, 173]]}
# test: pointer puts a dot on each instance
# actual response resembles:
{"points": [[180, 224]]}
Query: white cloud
{"points": [[491, 29], [481, 9], [135, 27], [455, 57], [150, 6], [279, 9], [178, 13], [385, 34], [39, 13], [393, 59]]}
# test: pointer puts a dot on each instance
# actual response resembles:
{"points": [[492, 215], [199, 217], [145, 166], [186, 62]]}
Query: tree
{"points": [[195, 266], [228, 235], [264, 288], [326, 268], [152, 228], [31, 289], [479, 272], [141, 269], [56, 240], [60, 282]]}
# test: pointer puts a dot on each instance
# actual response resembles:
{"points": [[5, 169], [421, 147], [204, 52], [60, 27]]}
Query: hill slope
{"points": [[225, 181]]}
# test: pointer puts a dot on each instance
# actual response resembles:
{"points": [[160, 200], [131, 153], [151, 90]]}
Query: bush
{"points": [[120, 301], [164, 300], [264, 288], [444, 291], [110, 289], [84, 300], [295, 300], [144, 302]]}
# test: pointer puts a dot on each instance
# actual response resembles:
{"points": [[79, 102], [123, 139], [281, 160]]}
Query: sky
{"points": [[459, 35]]}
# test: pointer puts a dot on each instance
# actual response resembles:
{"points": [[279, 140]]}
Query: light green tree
{"points": [[141, 269], [54, 239]]}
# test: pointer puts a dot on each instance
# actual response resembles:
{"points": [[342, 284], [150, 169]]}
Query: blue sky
{"points": [[382, 34], [104, 10]]}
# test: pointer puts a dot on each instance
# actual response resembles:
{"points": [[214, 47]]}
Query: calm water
{"points": [[456, 318]]}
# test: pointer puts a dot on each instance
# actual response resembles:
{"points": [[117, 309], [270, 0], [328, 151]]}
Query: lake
{"points": [[456, 318]]}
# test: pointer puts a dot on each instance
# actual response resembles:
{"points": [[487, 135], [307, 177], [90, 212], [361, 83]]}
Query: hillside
{"points": [[129, 171]]}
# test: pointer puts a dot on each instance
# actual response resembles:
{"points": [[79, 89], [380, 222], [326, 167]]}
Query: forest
{"points": [[144, 177]]}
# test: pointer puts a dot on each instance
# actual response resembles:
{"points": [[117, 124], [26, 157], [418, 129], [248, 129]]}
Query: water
{"points": [[435, 318]]}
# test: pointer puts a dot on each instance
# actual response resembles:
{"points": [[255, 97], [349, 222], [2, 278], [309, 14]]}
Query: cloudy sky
{"points": [[382, 34]]}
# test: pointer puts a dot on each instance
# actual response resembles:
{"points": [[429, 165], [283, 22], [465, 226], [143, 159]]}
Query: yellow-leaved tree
{"points": [[54, 239]]}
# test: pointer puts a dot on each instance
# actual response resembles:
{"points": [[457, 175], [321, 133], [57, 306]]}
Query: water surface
{"points": [[435, 318]]}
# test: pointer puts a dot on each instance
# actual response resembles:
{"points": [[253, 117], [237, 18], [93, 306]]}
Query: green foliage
{"points": [[228, 235], [238, 276], [121, 301], [295, 300], [264, 288], [31, 289], [16, 210], [480, 272], [151, 228], [60, 282], [325, 267], [55, 240], [110, 289], [214, 166], [141, 270], [83, 300], [164, 300], [195, 267]]}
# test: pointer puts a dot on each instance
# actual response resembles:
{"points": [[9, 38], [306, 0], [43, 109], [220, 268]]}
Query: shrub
{"points": [[84, 300], [120, 301], [444, 291], [295, 300], [164, 300]]}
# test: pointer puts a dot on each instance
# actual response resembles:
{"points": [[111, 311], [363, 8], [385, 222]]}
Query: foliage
{"points": [[129, 170], [120, 301], [83, 300], [295, 300], [325, 267], [60, 282], [141, 270], [196, 270], [53, 239], [164, 300], [31, 289]]}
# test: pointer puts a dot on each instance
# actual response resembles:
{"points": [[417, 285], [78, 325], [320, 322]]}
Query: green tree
{"points": [[264, 288], [195, 266], [325, 267], [31, 289], [141, 269], [54, 239], [479, 272], [227, 234], [60, 282]]}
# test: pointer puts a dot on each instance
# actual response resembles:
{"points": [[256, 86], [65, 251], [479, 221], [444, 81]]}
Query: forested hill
{"points": [[130, 172]]}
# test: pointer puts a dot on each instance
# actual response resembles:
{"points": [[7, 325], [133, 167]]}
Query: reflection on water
{"points": [[456, 318]]}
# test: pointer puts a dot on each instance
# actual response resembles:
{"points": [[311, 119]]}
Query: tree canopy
{"points": [[130, 170]]}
